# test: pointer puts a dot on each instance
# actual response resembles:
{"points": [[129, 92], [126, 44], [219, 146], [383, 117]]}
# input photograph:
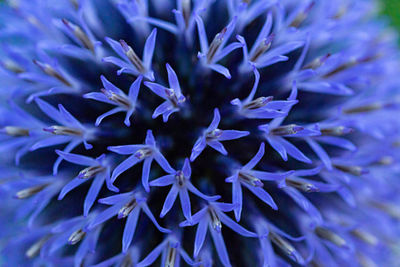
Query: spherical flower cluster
{"points": [[274, 122]]}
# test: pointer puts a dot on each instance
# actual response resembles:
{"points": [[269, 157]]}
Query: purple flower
{"points": [[172, 95], [111, 94], [69, 130], [171, 250], [213, 136], [130, 62], [180, 181], [215, 51], [262, 107], [146, 153], [252, 180], [212, 217], [97, 169], [125, 205]]}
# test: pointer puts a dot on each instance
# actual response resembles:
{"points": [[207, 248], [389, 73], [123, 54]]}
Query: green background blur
{"points": [[392, 8]]}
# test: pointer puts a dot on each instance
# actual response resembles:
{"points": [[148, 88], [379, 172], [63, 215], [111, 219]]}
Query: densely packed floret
{"points": [[275, 123]]}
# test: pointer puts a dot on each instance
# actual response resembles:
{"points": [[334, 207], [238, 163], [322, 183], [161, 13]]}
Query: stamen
{"points": [[173, 97], [258, 102], [362, 109], [127, 262], [302, 16], [119, 99], [337, 131], [284, 245], [216, 222], [34, 250], [186, 11], [365, 261], [133, 58], [330, 236], [63, 130], [15, 131], [385, 160], [391, 210], [287, 130], [76, 237], [80, 34], [75, 4], [171, 257], [250, 179], [365, 236], [215, 44], [303, 186], [49, 70], [28, 192], [143, 153], [341, 12], [343, 67], [263, 47], [12, 66], [318, 62], [127, 208], [214, 134], [354, 170], [90, 172], [180, 177]]}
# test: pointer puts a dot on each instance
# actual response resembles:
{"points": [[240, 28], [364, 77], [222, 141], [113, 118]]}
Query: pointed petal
{"points": [[263, 195], [149, 48], [123, 166], [145, 173], [146, 210], [77, 159], [185, 203], [253, 162], [232, 134], [70, 186], [163, 180], [220, 247], [93, 193], [169, 200], [129, 230], [200, 236], [218, 146], [235, 226]]}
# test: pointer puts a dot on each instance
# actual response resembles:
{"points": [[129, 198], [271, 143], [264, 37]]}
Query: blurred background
{"points": [[392, 8]]}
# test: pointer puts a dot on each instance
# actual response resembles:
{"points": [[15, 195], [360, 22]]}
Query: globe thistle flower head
{"points": [[273, 122]]}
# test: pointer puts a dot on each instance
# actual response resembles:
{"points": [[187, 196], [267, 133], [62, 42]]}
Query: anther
{"points": [[171, 256], [215, 44], [364, 109], [80, 34], [76, 237], [63, 130], [354, 170], [302, 16], [337, 131], [330, 236], [180, 178], [15, 131], [49, 70], [28, 192], [215, 221], [258, 102], [285, 246], [214, 134], [127, 261], [287, 130], [365, 236], [127, 208], [12, 66], [263, 47], [75, 4], [303, 186], [250, 179], [186, 11], [385, 160], [175, 100], [90, 172], [318, 62], [118, 99], [143, 153], [34, 250], [392, 210], [133, 58]]}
